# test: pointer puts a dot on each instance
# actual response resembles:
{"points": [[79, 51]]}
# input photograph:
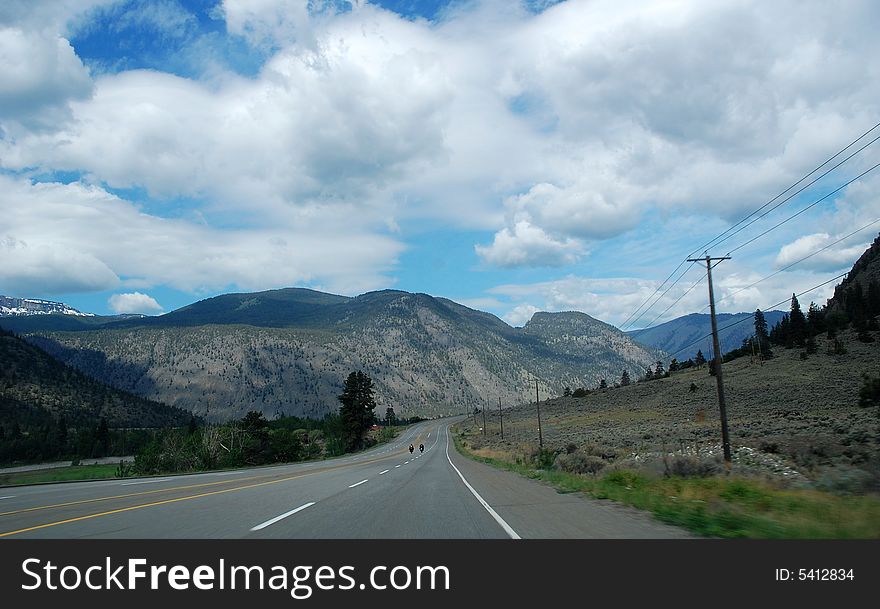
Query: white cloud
{"points": [[520, 314], [528, 245], [134, 302], [40, 76], [834, 258], [66, 238], [552, 132], [34, 266]]}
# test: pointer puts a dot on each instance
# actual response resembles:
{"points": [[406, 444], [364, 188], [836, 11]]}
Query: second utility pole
{"points": [[716, 362], [538, 407]]}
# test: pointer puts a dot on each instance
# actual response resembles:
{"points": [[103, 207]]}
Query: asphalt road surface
{"points": [[382, 493]]}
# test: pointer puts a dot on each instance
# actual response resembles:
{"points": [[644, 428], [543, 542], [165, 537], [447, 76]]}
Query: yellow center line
{"points": [[189, 497], [138, 494], [155, 503]]}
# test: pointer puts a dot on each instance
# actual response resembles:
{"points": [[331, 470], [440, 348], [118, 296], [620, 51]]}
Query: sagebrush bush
{"points": [[579, 463], [844, 480], [688, 466]]}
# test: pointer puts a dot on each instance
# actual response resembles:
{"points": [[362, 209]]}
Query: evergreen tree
{"points": [[815, 320], [659, 372], [357, 410], [760, 325], [567, 392], [624, 378], [390, 416], [798, 323], [62, 433], [699, 359], [674, 366], [603, 384], [102, 438], [649, 375]]}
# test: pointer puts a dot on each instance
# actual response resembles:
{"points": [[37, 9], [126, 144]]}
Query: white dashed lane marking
{"points": [[282, 516]]}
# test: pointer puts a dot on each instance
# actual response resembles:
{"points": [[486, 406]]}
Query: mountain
{"points": [[675, 335], [289, 351], [859, 292], [10, 307], [36, 388]]}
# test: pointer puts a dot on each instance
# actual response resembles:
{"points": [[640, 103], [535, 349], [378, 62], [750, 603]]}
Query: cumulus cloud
{"points": [[834, 258], [134, 302], [74, 237], [551, 132], [528, 245], [520, 314], [41, 75], [34, 266]]}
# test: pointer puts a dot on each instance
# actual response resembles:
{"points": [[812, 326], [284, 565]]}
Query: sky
{"points": [[511, 156]]}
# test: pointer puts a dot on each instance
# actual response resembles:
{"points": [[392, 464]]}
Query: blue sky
{"points": [[511, 156]]}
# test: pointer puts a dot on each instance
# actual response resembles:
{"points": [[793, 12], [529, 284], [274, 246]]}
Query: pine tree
{"points": [[649, 375], [603, 384], [390, 416], [699, 359], [659, 372], [624, 378], [357, 410], [798, 323], [815, 319], [674, 365]]}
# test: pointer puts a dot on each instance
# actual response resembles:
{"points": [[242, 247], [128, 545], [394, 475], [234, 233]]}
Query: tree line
{"points": [[255, 440]]}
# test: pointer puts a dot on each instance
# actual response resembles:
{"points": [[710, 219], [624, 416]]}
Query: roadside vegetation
{"points": [[710, 504], [253, 440], [60, 474]]}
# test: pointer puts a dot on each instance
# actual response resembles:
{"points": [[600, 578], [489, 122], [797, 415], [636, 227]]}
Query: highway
{"points": [[381, 493]]}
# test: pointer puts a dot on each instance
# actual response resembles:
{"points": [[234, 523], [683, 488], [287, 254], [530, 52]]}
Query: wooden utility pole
{"points": [[501, 417], [484, 417], [722, 407], [538, 408]]}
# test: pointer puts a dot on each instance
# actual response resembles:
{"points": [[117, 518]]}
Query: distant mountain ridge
{"points": [[37, 388], [289, 351], [675, 335], [10, 306]]}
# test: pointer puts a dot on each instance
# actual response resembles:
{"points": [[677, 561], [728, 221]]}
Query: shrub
{"points": [[579, 463], [686, 466], [843, 480], [542, 458]]}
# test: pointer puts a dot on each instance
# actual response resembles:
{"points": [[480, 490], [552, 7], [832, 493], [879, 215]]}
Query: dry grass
{"points": [[794, 416]]}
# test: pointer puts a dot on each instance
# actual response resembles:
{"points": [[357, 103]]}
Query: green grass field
{"points": [[60, 474], [720, 506]]}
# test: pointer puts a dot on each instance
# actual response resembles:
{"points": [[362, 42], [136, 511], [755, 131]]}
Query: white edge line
{"points": [[357, 483], [9, 497], [507, 528], [145, 482], [396, 466], [282, 516], [380, 473]]}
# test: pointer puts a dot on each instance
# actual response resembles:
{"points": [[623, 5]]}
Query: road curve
{"points": [[381, 493]]}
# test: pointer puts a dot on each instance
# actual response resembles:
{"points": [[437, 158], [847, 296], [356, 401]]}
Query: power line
{"points": [[677, 300], [627, 321], [716, 241], [659, 298], [810, 206], [736, 323], [785, 268], [837, 154]]}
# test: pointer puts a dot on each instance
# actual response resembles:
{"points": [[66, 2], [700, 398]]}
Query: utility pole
{"points": [[501, 417], [538, 408], [722, 407], [484, 417]]}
